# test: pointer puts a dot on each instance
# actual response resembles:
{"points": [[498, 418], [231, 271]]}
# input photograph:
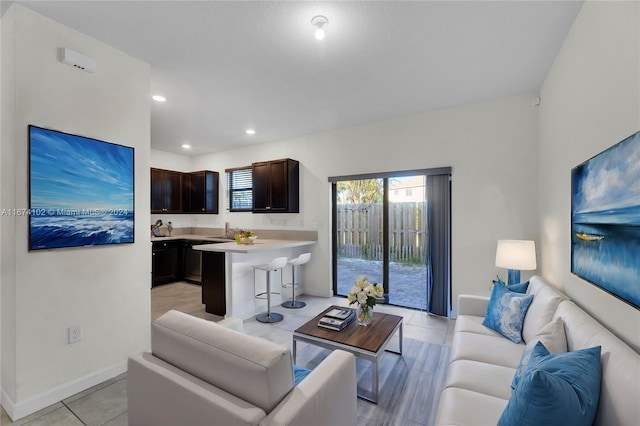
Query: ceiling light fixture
{"points": [[186, 146], [319, 22], [250, 132], [158, 98]]}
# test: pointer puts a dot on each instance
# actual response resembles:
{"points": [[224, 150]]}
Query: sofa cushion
{"points": [[490, 349], [546, 300], [552, 337], [253, 369], [464, 407], [560, 389], [506, 312], [472, 375], [473, 324]]}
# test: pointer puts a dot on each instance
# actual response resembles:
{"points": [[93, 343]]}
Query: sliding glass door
{"points": [[380, 231], [407, 214], [359, 232]]}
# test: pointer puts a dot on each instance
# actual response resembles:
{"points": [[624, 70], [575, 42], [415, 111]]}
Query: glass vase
{"points": [[364, 314]]}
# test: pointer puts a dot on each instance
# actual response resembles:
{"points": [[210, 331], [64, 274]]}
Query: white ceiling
{"points": [[228, 66]]}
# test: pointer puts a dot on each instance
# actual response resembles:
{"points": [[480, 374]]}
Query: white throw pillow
{"points": [[552, 336]]}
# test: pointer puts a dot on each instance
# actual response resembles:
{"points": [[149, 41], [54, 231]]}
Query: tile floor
{"points": [[106, 403], [103, 404]]}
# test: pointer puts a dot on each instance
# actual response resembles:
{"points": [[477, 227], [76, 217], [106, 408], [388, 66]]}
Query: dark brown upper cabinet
{"points": [[276, 186], [202, 191], [166, 191]]}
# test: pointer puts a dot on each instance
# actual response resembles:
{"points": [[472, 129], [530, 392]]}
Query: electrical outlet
{"points": [[75, 334]]}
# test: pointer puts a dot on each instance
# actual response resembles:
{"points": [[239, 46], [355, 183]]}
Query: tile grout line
{"points": [[73, 412]]}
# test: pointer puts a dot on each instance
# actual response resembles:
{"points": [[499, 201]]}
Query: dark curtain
{"points": [[439, 245]]}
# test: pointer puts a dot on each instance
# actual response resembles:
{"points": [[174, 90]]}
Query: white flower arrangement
{"points": [[364, 293]]}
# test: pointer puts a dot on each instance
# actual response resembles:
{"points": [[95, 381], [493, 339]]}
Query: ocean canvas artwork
{"points": [[605, 220], [81, 191]]}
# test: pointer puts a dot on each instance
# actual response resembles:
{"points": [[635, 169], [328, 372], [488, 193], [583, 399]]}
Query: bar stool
{"points": [[298, 261], [276, 264]]}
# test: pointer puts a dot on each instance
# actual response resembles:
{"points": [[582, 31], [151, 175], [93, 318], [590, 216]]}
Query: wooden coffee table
{"points": [[368, 342]]}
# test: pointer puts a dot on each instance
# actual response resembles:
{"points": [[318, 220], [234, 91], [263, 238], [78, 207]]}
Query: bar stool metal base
{"points": [[263, 295], [293, 304], [275, 265], [269, 317]]}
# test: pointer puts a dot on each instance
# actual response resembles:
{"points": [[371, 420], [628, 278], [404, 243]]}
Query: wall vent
{"points": [[77, 60]]}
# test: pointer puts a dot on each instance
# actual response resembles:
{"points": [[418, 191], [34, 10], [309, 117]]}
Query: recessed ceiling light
{"points": [[158, 98], [186, 146], [250, 132]]}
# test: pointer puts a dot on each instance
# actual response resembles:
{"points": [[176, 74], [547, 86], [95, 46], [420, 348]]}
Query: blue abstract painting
{"points": [[605, 220], [81, 191]]}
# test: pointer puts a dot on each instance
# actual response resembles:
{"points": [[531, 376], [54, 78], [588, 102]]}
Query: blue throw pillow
{"points": [[299, 373], [561, 389], [519, 288], [506, 312]]}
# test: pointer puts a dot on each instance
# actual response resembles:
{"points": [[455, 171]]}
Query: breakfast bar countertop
{"points": [[258, 246]]}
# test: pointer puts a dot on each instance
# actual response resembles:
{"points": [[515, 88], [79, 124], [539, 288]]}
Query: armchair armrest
{"points": [[469, 304], [327, 396]]}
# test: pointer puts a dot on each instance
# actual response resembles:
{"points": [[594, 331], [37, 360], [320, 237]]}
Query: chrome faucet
{"points": [[155, 229]]}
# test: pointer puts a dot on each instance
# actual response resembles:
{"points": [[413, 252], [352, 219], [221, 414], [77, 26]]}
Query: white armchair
{"points": [[201, 373]]}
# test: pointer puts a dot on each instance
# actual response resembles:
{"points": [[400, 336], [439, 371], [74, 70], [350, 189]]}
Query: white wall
{"points": [[7, 194], [590, 101], [491, 146], [1, 135], [170, 161], [105, 289]]}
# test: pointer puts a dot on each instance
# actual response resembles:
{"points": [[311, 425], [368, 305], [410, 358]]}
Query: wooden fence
{"points": [[360, 231]]}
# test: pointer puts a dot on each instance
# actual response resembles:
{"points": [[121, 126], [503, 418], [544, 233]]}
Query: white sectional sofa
{"points": [[483, 362], [201, 373]]}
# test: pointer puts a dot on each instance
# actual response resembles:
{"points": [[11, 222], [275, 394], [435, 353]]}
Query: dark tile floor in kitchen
{"points": [[106, 403]]}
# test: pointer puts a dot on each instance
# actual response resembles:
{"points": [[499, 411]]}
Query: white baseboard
{"points": [[22, 409], [317, 293]]}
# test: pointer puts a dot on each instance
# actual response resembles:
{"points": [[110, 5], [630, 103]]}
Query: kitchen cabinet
{"points": [[276, 186], [166, 191], [166, 262], [202, 192], [213, 283]]}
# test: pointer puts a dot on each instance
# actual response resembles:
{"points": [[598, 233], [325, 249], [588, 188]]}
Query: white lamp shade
{"points": [[516, 254]]}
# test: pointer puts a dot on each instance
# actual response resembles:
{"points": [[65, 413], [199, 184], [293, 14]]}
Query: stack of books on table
{"points": [[337, 319]]}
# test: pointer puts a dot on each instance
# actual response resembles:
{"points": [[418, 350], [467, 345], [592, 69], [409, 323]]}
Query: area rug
{"points": [[410, 385]]}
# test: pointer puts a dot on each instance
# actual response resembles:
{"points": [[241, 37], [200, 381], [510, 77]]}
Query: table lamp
{"points": [[516, 255]]}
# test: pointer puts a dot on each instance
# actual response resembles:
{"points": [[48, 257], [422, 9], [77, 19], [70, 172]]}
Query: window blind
{"points": [[240, 189]]}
